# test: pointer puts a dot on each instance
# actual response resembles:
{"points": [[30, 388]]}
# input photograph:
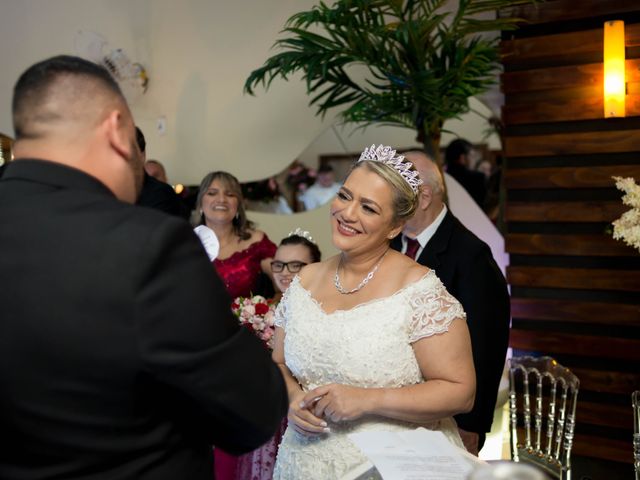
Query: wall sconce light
{"points": [[614, 78]]}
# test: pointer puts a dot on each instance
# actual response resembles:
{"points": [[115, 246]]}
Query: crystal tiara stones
{"points": [[302, 233], [387, 155]]}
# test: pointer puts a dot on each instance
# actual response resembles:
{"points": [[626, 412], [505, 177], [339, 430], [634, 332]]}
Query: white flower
{"points": [[627, 227]]}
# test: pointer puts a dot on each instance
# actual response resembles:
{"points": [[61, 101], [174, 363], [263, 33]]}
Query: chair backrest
{"points": [[543, 396], [635, 400]]}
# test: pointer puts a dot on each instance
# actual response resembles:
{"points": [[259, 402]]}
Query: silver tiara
{"points": [[387, 155], [302, 233]]}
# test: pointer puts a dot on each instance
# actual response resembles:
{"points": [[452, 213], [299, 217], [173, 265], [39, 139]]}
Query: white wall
{"points": [[198, 54]]}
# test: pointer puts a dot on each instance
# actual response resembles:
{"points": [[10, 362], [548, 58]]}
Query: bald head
{"points": [[428, 171], [62, 94]]}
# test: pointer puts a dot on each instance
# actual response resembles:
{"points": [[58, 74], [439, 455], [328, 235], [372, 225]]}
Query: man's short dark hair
{"points": [[457, 147], [142, 143], [33, 87], [325, 168]]}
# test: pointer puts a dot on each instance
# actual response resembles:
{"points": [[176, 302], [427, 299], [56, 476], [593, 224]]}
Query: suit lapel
{"points": [[438, 244]]}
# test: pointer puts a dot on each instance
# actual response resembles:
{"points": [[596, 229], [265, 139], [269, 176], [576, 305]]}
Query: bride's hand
{"points": [[302, 419], [337, 402]]}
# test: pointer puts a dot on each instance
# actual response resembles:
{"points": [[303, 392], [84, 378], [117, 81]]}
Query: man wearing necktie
{"points": [[464, 264]]}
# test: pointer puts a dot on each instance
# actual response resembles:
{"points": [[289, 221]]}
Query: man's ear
{"points": [[425, 198], [117, 134]]}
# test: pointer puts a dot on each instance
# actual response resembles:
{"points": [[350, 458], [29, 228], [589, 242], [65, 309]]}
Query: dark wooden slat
{"points": [[576, 47], [586, 245], [601, 447], [580, 278], [568, 177], [589, 108], [563, 77], [606, 415], [588, 446], [564, 211], [609, 314], [552, 343], [573, 143], [622, 383], [563, 10]]}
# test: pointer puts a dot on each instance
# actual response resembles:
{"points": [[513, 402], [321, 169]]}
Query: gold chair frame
{"points": [[635, 401], [554, 455]]}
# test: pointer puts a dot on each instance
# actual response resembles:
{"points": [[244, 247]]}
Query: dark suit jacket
{"points": [[467, 269], [160, 195], [119, 356]]}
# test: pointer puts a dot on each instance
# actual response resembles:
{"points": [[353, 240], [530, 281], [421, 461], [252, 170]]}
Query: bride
{"points": [[368, 339]]}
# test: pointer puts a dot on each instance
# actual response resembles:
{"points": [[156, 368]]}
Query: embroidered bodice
{"points": [[367, 346]]}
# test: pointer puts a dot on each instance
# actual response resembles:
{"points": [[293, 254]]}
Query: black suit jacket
{"points": [[119, 356], [160, 195], [467, 269]]}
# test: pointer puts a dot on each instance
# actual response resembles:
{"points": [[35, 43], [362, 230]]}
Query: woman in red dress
{"points": [[245, 254]]}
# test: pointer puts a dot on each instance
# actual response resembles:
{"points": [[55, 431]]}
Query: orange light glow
{"points": [[614, 75]]}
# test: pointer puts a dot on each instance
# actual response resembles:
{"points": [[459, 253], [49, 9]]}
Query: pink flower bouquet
{"points": [[256, 313]]}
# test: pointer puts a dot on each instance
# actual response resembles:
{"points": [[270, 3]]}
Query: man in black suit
{"points": [[119, 355], [437, 239], [157, 194]]}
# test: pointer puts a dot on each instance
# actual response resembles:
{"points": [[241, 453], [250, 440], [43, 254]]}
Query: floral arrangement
{"points": [[258, 314], [627, 227]]}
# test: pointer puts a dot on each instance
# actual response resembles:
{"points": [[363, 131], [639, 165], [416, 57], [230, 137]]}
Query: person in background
{"points": [[322, 191], [295, 251], [155, 193], [243, 260], [155, 169], [459, 163], [437, 239], [119, 354], [373, 340]]}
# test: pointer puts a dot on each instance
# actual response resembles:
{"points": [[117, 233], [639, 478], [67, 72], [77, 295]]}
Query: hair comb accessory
{"points": [[302, 233], [387, 155]]}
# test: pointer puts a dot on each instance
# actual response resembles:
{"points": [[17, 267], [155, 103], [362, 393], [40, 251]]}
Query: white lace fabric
{"points": [[367, 346]]}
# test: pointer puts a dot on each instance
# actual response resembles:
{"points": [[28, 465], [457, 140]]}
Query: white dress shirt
{"points": [[425, 235]]}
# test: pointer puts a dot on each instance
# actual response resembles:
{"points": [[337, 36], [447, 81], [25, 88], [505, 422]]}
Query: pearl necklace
{"points": [[365, 280]]}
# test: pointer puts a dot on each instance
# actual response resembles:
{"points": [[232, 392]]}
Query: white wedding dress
{"points": [[367, 346]]}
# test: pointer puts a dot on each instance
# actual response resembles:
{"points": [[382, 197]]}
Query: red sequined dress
{"points": [[240, 273]]}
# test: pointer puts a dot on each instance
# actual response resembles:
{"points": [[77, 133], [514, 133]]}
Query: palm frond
{"points": [[422, 61]]}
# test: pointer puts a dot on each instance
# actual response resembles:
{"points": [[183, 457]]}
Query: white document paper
{"points": [[419, 454], [209, 241]]}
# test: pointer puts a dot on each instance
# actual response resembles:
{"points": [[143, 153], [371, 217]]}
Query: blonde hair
{"points": [[242, 226], [405, 200]]}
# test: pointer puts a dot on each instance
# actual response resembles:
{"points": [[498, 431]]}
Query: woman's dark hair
{"points": [[298, 240], [242, 226]]}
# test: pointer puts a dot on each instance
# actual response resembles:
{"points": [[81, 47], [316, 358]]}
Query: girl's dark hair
{"points": [[242, 226], [298, 240]]}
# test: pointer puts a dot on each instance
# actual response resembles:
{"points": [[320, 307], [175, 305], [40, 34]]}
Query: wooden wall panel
{"points": [[575, 290], [565, 10], [583, 46], [572, 143], [564, 211], [580, 312], [568, 177], [554, 244]]}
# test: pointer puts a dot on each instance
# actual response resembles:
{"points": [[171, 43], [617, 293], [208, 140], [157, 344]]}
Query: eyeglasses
{"points": [[293, 267]]}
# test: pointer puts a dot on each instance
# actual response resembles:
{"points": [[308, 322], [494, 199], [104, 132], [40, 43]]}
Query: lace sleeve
{"points": [[280, 314], [433, 310]]}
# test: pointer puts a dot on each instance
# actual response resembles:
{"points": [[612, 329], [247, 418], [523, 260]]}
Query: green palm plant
{"points": [[422, 62]]}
